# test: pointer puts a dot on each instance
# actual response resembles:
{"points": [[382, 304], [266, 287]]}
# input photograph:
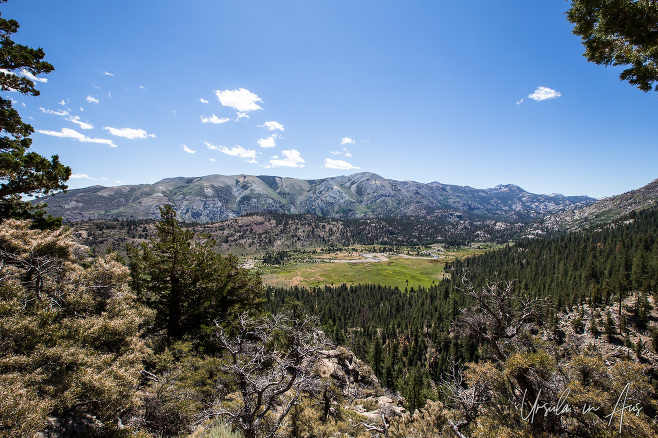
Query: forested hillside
{"points": [[258, 233], [584, 285]]}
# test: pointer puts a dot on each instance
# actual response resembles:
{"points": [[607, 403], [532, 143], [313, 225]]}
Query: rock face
{"points": [[358, 383], [349, 373], [216, 197]]}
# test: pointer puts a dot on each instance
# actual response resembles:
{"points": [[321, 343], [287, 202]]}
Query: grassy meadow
{"points": [[397, 271]]}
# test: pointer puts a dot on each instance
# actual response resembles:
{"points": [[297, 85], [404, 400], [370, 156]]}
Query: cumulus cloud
{"points": [[54, 112], [31, 77], [92, 99], [268, 142], [188, 150], [75, 135], [81, 124], [242, 100], [272, 126], [242, 116], [80, 176], [338, 164], [544, 93], [107, 73], [214, 119], [346, 140], [291, 158], [129, 133], [62, 102], [202, 100], [237, 151]]}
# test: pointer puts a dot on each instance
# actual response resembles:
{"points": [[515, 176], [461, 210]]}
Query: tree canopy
{"points": [[22, 172], [620, 33], [70, 337], [188, 284]]}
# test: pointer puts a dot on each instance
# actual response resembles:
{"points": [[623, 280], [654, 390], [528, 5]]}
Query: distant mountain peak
{"points": [[217, 197]]}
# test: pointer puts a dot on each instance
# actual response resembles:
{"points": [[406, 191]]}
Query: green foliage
{"points": [[181, 384], [188, 284], [23, 172], [620, 32], [70, 330]]}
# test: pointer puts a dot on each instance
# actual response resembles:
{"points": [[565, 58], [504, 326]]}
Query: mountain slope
{"points": [[216, 197], [603, 211]]}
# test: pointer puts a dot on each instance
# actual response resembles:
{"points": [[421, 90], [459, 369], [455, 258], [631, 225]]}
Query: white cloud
{"points": [[519, 102], [338, 164], [31, 77], [142, 87], [272, 126], [92, 99], [80, 176], [107, 73], [268, 142], [292, 158], [242, 116], [212, 159], [75, 135], [188, 150], [151, 135], [81, 124], [237, 151], [62, 102], [129, 133], [544, 93], [202, 100], [54, 112], [214, 119], [241, 100], [346, 140], [343, 152]]}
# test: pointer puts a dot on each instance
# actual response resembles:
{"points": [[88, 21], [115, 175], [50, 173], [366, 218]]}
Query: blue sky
{"points": [[473, 93]]}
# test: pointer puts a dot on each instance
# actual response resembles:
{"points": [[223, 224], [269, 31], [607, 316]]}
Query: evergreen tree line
{"points": [[406, 335]]}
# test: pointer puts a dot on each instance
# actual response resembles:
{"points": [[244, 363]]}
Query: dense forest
{"points": [[409, 336]]}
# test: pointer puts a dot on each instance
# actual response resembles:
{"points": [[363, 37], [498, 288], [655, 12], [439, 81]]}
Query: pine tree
{"points": [[23, 172], [71, 339], [188, 284]]}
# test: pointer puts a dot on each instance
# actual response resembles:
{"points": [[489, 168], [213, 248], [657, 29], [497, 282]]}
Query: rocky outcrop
{"points": [[358, 384]]}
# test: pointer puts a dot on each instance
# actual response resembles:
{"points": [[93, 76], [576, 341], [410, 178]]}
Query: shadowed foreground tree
{"points": [[620, 32], [23, 172], [70, 345], [188, 284]]}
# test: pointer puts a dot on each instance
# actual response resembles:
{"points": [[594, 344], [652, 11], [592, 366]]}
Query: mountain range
{"points": [[216, 197]]}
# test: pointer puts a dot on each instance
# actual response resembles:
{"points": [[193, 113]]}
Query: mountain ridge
{"points": [[214, 198], [603, 211]]}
